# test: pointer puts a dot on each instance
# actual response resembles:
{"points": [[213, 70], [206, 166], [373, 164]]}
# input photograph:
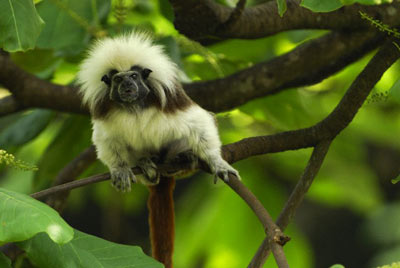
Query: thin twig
{"points": [[276, 238], [69, 173], [295, 199]]}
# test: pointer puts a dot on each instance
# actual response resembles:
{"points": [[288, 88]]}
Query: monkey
{"points": [[142, 116]]}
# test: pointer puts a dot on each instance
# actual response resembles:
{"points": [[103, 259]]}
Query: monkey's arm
{"points": [[115, 156], [208, 149]]}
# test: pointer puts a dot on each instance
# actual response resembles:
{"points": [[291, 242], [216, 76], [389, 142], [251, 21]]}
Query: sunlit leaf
{"points": [[321, 5], [394, 91], [85, 251], [337, 266], [20, 25], [396, 180], [22, 217]]}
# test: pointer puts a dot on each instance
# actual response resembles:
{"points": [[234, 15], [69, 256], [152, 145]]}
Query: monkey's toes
{"points": [[121, 179], [223, 171]]}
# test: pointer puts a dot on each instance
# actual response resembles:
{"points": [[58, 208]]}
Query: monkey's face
{"points": [[128, 87]]}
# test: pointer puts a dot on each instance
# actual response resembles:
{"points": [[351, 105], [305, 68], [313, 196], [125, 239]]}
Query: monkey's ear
{"points": [[106, 80], [145, 73]]}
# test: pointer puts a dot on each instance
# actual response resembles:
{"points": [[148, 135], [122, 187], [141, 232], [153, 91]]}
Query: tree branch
{"points": [[204, 20], [295, 199], [307, 64], [69, 173], [8, 105], [276, 238], [328, 128], [30, 91]]}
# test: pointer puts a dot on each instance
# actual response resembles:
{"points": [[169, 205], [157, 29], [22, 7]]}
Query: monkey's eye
{"points": [[118, 79], [134, 76]]}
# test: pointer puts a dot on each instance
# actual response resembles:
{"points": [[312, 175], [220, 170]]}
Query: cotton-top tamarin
{"points": [[142, 117], [140, 111]]}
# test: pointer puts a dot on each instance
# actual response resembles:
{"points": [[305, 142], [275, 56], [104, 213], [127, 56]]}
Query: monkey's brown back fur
{"points": [[162, 220]]}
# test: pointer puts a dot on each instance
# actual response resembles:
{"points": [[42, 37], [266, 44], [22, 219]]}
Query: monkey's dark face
{"points": [[128, 87]]}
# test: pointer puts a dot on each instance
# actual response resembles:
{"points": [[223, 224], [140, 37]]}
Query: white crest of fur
{"points": [[121, 53]]}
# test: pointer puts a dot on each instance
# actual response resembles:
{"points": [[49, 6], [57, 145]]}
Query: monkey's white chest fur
{"points": [[136, 135]]}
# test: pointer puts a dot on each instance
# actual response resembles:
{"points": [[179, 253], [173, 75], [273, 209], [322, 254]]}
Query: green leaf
{"points": [[22, 217], [166, 10], [337, 266], [373, 2], [68, 23], [20, 25], [172, 49], [4, 261], [394, 91], [321, 5], [347, 2], [72, 139], [281, 7], [396, 180], [25, 128], [85, 251]]}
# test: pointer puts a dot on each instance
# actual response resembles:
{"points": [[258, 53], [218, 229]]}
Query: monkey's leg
{"points": [[150, 173], [162, 220]]}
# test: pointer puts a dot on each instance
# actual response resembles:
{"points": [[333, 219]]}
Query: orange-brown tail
{"points": [[162, 220]]}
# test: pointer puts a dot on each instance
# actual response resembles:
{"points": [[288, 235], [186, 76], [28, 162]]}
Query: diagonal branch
{"points": [[275, 237], [69, 173], [307, 64], [295, 199], [328, 128], [203, 20]]}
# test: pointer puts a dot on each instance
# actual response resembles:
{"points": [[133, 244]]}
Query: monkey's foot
{"points": [[150, 173], [222, 170], [121, 179]]}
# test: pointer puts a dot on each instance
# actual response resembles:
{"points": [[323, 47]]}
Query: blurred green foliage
{"points": [[214, 228]]}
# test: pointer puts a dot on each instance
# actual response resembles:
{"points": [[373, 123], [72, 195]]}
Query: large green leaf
{"points": [[20, 25], [4, 261], [25, 128], [68, 23], [73, 138], [22, 217], [85, 251], [321, 5]]}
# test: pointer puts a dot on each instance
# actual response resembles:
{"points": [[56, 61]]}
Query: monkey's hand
{"points": [[150, 173], [121, 179], [222, 169]]}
